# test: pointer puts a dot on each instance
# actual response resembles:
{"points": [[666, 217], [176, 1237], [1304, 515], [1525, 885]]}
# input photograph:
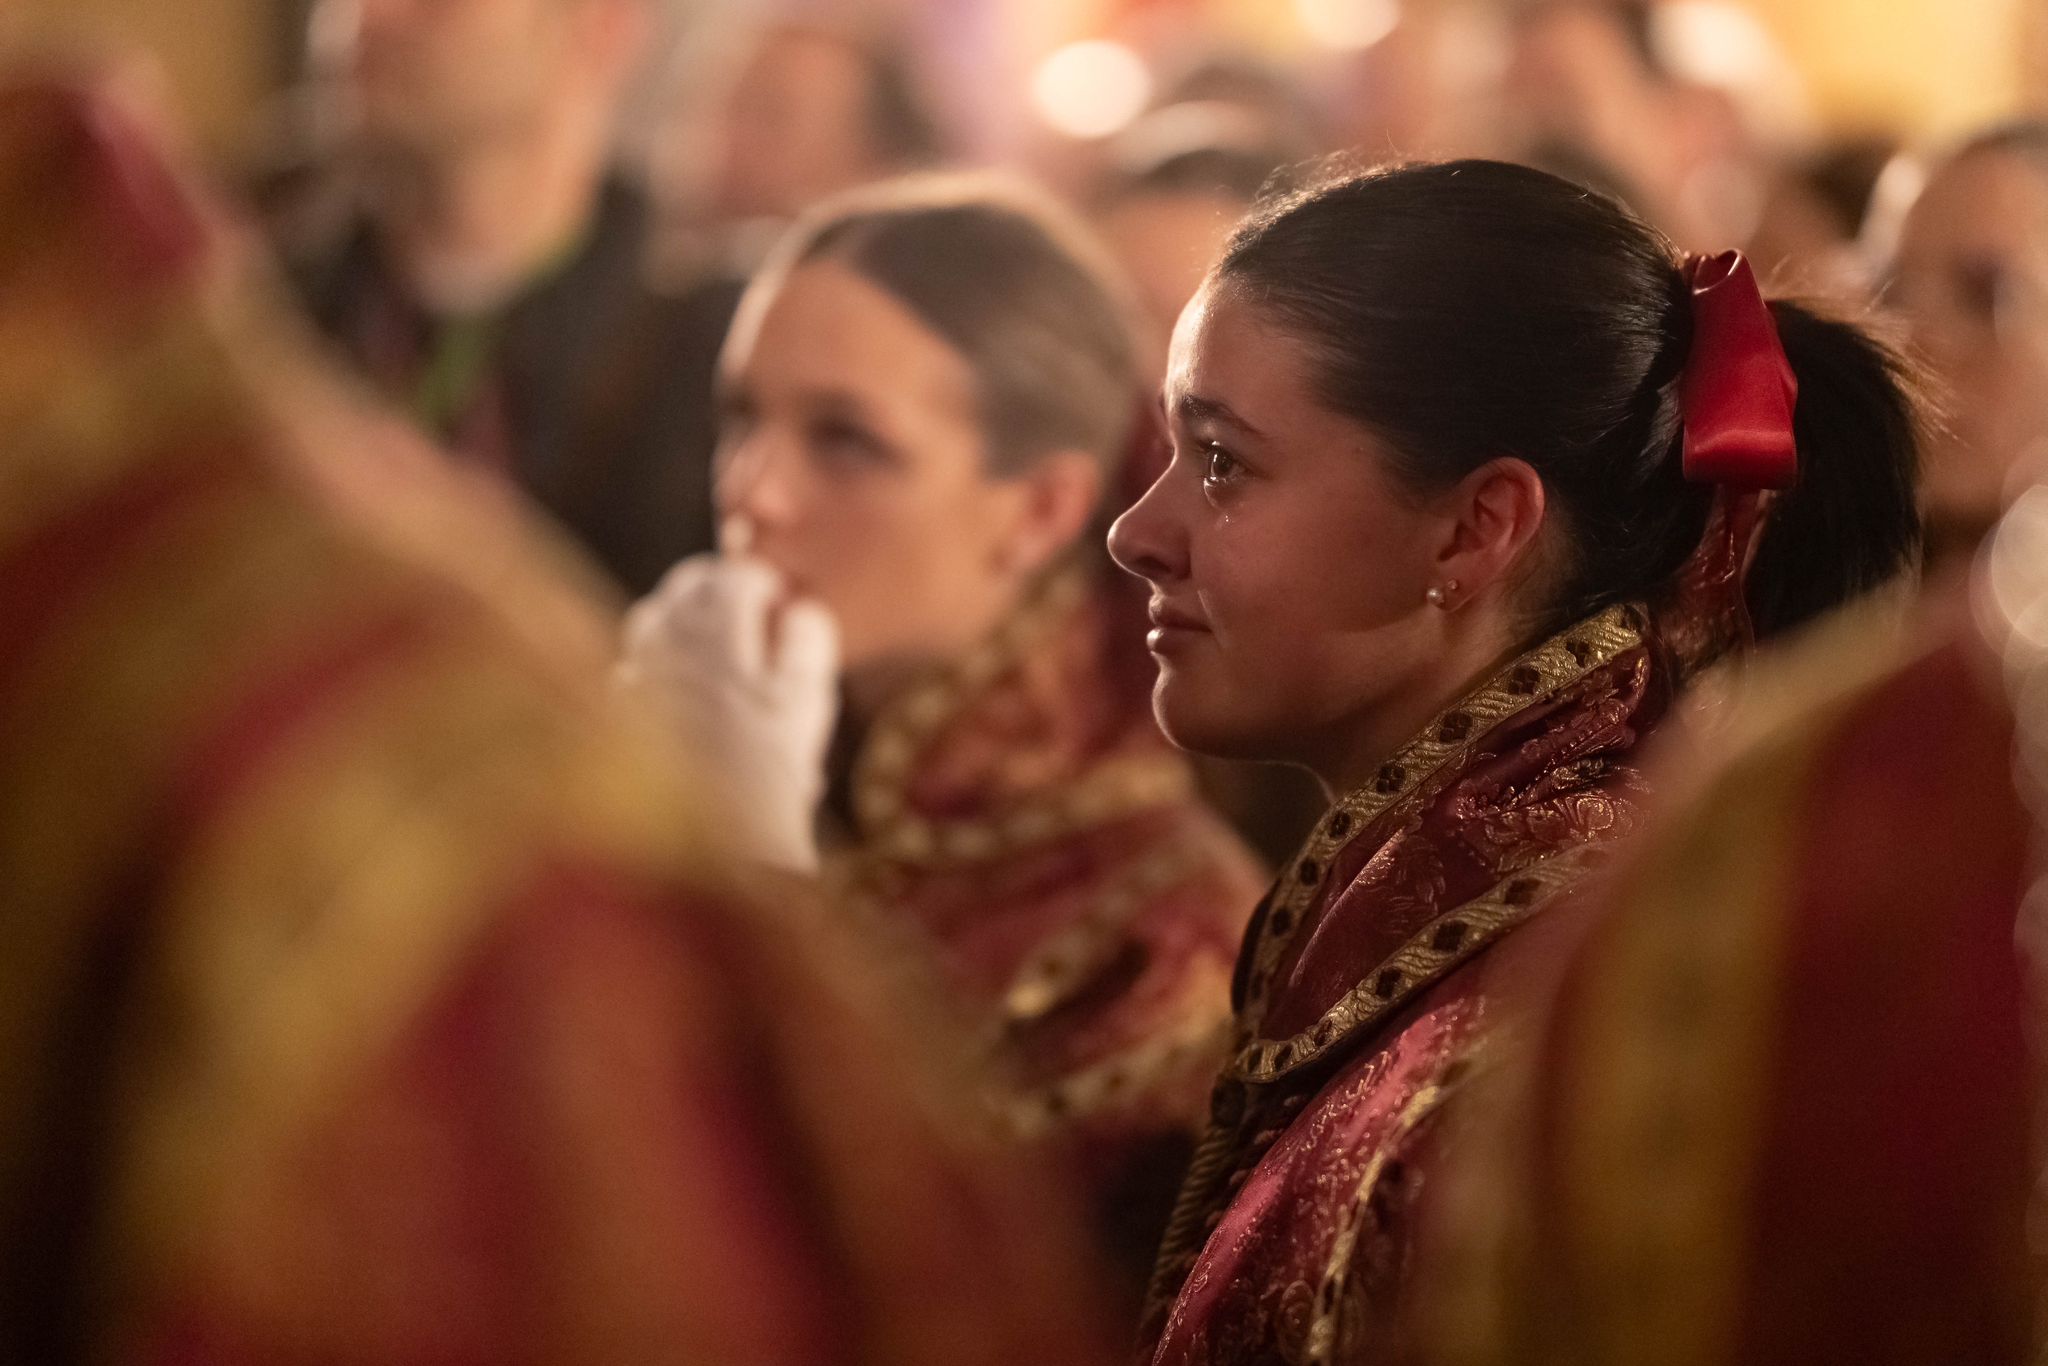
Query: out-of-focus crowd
{"points": [[854, 950]]}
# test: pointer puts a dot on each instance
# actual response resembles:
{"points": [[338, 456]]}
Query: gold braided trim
{"points": [[1060, 968], [1110, 792], [65, 818], [1668, 1062], [1219, 1152], [1065, 963], [1116, 788], [1325, 1328], [278, 1013], [1541, 674], [1425, 958], [1200, 1032]]}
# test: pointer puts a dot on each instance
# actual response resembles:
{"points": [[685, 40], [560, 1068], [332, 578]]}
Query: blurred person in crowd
{"points": [[1473, 475], [1809, 233], [488, 268], [368, 993], [1969, 276], [1181, 178], [926, 398], [1592, 75], [1205, 97], [1259, 104], [811, 108], [1431, 86], [1582, 168]]}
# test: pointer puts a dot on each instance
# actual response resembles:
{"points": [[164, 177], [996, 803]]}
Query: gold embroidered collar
{"points": [[1461, 931], [1117, 785]]}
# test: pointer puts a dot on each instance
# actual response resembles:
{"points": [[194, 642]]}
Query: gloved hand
{"points": [[748, 681]]}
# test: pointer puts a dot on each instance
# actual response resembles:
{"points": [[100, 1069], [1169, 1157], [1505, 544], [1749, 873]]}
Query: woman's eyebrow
{"points": [[1195, 408]]}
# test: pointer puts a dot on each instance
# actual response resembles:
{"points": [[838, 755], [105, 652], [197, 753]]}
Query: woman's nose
{"points": [[753, 482], [1148, 539]]}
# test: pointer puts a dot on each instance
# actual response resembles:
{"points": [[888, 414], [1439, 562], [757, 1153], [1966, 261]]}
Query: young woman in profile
{"points": [[1471, 475], [927, 396]]}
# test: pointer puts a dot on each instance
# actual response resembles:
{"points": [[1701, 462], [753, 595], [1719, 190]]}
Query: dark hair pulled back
{"points": [[1469, 310]]}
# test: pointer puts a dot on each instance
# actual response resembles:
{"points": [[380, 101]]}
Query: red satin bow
{"points": [[1738, 390]]}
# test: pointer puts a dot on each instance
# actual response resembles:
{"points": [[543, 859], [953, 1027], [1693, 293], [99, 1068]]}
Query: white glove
{"points": [[748, 681]]}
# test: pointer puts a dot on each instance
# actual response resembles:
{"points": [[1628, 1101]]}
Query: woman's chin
{"points": [[1198, 724]]}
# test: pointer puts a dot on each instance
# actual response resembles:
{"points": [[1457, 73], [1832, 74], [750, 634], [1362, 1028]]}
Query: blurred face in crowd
{"points": [[1166, 243], [1573, 77], [1801, 246], [793, 129], [852, 458], [444, 75], [1288, 571], [1577, 81], [1971, 280]]}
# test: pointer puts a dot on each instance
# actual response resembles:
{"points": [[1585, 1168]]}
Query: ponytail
{"points": [[1850, 523]]}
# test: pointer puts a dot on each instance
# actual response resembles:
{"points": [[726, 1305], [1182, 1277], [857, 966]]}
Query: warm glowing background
{"points": [[1916, 68]]}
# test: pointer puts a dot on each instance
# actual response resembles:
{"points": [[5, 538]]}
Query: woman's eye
{"points": [[845, 441], [1219, 467]]}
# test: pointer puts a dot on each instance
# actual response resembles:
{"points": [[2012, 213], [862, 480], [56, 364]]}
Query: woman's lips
{"points": [[1172, 626]]}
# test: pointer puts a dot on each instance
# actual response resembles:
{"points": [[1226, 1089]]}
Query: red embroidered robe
{"points": [[1773, 1102], [1364, 987], [1028, 840], [359, 1002]]}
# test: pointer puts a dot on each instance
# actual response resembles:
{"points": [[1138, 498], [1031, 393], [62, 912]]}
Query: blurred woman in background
{"points": [[1472, 474], [1970, 277], [370, 993], [927, 396]]}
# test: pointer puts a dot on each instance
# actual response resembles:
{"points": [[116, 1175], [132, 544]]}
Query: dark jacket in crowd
{"points": [[589, 390]]}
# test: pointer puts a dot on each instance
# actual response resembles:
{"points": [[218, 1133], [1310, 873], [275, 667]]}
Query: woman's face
{"points": [[793, 128], [1971, 279], [852, 458], [1288, 572]]}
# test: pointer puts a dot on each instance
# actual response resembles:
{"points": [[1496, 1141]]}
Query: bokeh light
{"points": [[1091, 89]]}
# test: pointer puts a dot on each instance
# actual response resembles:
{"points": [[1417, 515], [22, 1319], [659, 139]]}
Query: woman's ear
{"points": [[1496, 513], [1052, 505]]}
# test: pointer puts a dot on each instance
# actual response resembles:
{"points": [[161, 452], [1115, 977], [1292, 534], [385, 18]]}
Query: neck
{"points": [[1350, 754], [467, 228], [873, 684]]}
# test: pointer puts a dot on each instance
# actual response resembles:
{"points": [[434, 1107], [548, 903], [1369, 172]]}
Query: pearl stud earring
{"points": [[1439, 594]]}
